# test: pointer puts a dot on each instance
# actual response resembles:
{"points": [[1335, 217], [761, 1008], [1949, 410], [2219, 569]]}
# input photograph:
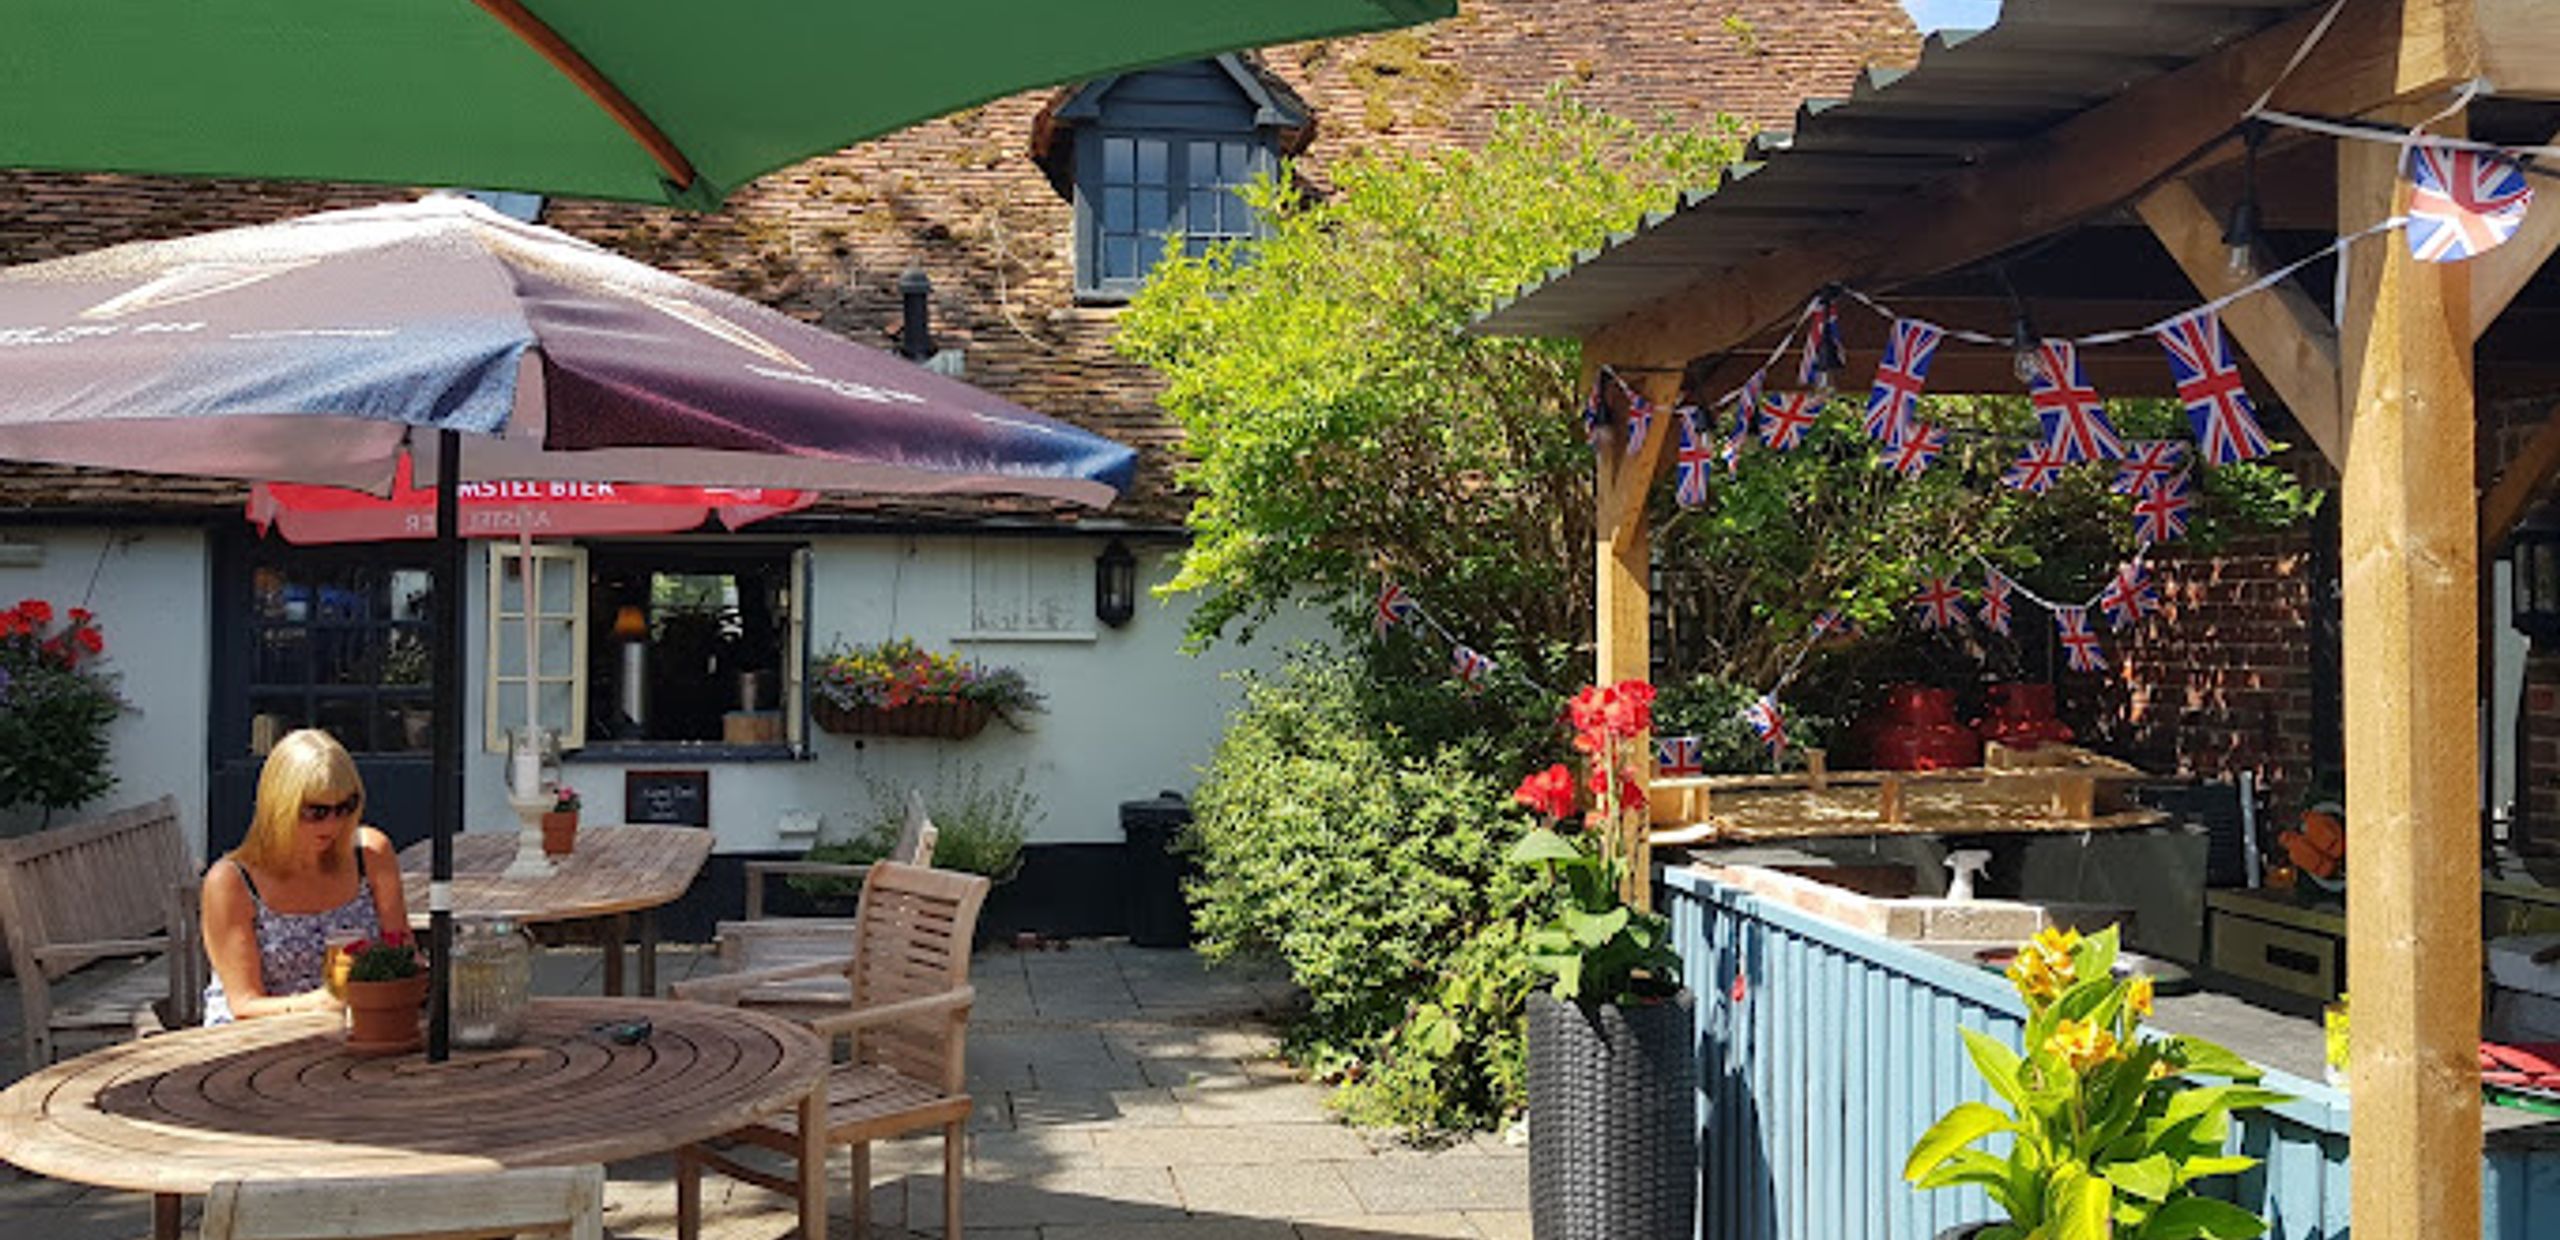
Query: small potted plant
{"points": [[560, 823], [385, 986], [1612, 1067], [2108, 1125]]}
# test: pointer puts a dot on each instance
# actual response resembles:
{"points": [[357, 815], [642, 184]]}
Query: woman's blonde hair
{"points": [[307, 767]]}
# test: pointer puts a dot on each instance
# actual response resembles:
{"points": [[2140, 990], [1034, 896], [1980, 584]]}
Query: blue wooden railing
{"points": [[1825, 1052]]}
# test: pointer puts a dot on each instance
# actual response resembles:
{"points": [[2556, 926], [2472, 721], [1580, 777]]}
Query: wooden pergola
{"points": [[2107, 217]]}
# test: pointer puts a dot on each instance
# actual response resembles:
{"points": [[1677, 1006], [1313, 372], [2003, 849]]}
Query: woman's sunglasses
{"points": [[323, 812]]}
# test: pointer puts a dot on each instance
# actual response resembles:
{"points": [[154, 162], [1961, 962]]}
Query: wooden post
{"points": [[2409, 557], [1623, 593]]}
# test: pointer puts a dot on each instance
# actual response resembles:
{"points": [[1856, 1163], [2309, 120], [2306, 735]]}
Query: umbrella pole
{"points": [[444, 800]]}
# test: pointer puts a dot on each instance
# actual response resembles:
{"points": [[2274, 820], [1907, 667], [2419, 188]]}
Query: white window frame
{"points": [[1029, 568], [502, 702]]}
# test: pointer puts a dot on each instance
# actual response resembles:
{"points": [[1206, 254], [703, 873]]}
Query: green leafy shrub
{"points": [[979, 823], [1370, 862], [1710, 708]]}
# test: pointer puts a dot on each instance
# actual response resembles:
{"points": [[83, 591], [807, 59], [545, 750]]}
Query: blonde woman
{"points": [[309, 871]]}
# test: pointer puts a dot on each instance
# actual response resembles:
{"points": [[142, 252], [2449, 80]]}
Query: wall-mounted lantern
{"points": [[2533, 605], [1115, 585]]}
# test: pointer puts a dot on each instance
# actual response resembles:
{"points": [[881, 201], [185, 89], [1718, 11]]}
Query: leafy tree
{"points": [[1339, 422]]}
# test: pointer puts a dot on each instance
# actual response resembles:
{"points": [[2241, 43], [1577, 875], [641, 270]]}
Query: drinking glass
{"points": [[334, 967]]}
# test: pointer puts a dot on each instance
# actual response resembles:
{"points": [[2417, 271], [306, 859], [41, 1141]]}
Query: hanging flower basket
{"points": [[947, 720]]}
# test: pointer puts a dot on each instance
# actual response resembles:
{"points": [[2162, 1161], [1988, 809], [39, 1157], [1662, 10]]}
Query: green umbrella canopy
{"points": [[674, 101]]}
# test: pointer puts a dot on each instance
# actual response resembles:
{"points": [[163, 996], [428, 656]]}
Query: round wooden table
{"points": [[280, 1098]]}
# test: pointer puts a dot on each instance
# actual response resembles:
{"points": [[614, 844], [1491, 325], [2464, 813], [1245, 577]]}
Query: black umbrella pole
{"points": [[444, 800]]}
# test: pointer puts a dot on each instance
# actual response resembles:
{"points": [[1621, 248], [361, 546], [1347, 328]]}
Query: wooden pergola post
{"points": [[2410, 574], [1623, 591]]}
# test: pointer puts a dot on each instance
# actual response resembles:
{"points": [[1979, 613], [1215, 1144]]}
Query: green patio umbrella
{"points": [[673, 101]]}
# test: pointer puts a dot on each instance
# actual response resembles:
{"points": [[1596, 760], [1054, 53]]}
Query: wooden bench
{"points": [[93, 891], [816, 951]]}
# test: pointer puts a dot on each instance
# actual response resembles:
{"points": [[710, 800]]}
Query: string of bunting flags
{"points": [[1397, 608], [2465, 199]]}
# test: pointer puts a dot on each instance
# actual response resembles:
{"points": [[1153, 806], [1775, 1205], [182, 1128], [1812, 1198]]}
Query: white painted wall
{"points": [[1129, 713], [151, 594]]}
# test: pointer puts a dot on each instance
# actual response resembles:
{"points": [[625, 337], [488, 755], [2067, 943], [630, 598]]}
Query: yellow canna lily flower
{"points": [[2137, 996], [2082, 1044]]}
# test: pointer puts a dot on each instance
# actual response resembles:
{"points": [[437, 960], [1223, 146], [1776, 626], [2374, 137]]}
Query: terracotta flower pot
{"points": [[559, 832], [383, 1016]]}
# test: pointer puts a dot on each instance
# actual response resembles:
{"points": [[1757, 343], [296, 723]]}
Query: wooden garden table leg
{"points": [[164, 1216], [649, 953], [616, 928]]}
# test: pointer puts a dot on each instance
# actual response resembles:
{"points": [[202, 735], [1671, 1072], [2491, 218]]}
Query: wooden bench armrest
{"points": [[726, 988], [957, 1002], [99, 949]]}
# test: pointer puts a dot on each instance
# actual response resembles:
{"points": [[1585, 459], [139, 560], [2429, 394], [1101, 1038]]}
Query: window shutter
{"points": [[558, 661]]}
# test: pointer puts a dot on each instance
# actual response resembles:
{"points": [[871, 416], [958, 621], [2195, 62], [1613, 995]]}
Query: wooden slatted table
{"points": [[614, 873], [280, 1098]]}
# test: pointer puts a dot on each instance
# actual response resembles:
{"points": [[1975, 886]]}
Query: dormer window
{"points": [[1161, 153]]}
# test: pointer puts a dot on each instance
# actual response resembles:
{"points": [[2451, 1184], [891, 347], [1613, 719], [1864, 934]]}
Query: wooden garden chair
{"points": [[908, 1024], [798, 966], [543, 1201], [78, 895]]}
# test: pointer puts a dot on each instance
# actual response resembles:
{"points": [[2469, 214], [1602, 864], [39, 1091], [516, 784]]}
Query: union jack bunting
{"points": [[2074, 416], [1784, 417], [2147, 463], [2218, 405], [1746, 401], [1995, 601], [2078, 643], [1394, 607], [2036, 471], [1595, 411], [1677, 755], [1919, 449], [1939, 604], [2130, 595], [2161, 514], [1731, 453], [2462, 204], [1470, 667], [1821, 361], [1639, 421], [1767, 721], [1829, 621], [1693, 464], [1908, 350]]}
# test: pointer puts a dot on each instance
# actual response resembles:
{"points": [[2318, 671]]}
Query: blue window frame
{"points": [[1160, 154]]}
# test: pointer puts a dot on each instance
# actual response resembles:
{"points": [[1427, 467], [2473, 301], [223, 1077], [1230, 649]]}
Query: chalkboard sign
{"points": [[674, 798]]}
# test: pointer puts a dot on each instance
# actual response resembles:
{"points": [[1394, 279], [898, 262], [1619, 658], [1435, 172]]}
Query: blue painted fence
{"points": [[1826, 1052]]}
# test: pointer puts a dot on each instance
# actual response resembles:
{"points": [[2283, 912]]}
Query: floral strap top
{"points": [[293, 948]]}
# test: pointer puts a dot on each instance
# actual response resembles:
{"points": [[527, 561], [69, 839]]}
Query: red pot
{"points": [[2022, 716], [1920, 732]]}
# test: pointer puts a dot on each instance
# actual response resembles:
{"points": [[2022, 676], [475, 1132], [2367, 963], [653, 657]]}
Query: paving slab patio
{"points": [[1123, 1093]]}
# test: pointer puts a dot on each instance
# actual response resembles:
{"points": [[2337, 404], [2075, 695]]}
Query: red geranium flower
{"points": [[37, 611], [1550, 792]]}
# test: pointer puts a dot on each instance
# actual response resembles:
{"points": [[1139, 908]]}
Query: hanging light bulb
{"points": [[2023, 345], [2240, 232]]}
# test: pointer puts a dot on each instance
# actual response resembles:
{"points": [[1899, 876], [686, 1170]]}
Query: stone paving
{"points": [[1122, 1093]]}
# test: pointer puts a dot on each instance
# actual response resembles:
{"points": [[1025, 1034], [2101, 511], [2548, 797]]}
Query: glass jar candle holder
{"points": [[492, 981]]}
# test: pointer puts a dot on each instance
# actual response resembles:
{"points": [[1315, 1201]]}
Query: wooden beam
{"points": [[2526, 482], [2500, 274], [2519, 47], [2409, 554], [2293, 342], [2094, 161]]}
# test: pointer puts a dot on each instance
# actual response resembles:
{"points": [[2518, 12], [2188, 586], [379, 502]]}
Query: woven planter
{"points": [[953, 721], [1613, 1127]]}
